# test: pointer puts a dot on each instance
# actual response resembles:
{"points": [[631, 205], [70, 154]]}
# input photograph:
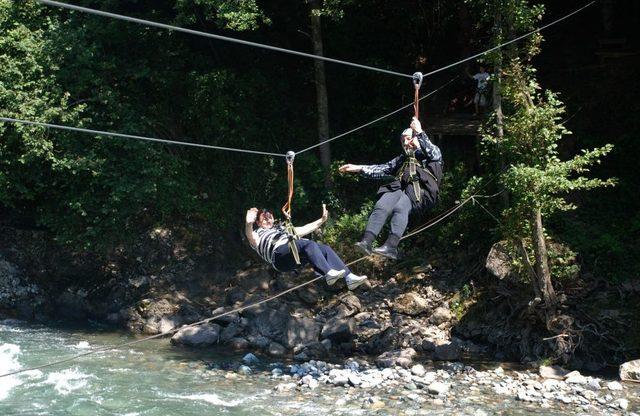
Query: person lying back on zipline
{"points": [[416, 175], [271, 242]]}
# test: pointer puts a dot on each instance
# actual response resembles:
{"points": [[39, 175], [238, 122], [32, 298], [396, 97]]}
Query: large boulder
{"points": [[339, 329], [15, 292], [440, 316], [447, 352], [498, 262], [553, 372], [410, 304], [269, 323], [402, 358], [197, 336], [630, 371], [349, 306], [301, 331]]}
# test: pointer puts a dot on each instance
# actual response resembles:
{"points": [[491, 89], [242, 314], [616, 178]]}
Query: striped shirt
{"points": [[268, 240]]}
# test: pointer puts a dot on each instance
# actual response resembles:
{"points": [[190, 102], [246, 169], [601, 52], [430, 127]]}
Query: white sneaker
{"points": [[353, 280], [333, 276]]}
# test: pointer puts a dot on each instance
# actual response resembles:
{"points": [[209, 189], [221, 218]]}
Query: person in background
{"points": [[481, 99]]}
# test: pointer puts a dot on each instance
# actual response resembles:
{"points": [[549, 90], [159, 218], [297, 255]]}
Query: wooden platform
{"points": [[452, 125]]}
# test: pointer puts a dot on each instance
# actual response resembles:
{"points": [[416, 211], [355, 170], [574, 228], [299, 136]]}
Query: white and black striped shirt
{"points": [[268, 240]]}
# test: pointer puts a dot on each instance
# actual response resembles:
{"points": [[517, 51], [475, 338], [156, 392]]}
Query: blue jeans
{"points": [[321, 257]]}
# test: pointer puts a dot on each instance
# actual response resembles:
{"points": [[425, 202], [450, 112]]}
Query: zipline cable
{"points": [[129, 136], [217, 37], [303, 54], [502, 45], [377, 119], [439, 218]]}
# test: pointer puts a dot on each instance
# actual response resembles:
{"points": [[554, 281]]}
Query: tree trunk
{"points": [[321, 92], [608, 18], [543, 274], [497, 98]]}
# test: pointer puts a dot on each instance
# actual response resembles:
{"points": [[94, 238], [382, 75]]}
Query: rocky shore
{"points": [[407, 321], [420, 388]]}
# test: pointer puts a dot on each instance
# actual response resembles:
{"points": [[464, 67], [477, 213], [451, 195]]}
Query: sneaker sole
{"points": [[385, 255], [363, 250], [355, 285], [331, 281]]}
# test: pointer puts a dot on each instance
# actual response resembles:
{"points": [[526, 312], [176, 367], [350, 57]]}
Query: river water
{"points": [[154, 378]]}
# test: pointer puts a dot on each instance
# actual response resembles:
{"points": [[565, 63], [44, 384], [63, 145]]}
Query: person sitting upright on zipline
{"points": [[272, 243], [416, 175]]}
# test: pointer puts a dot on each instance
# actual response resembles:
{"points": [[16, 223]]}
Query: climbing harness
{"points": [[286, 209], [413, 179]]}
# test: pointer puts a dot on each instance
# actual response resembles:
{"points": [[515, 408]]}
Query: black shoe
{"points": [[364, 247], [387, 251]]}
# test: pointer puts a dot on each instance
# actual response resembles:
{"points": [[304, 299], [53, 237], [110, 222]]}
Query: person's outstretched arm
{"points": [[312, 226], [250, 219], [382, 171]]}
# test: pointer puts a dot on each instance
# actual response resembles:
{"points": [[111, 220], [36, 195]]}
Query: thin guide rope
{"points": [[217, 37], [130, 136], [427, 225], [376, 120], [502, 45]]}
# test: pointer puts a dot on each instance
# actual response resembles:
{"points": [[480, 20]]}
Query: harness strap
{"points": [[286, 210], [412, 163]]}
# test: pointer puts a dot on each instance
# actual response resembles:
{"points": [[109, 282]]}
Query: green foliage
{"points": [[238, 15]]}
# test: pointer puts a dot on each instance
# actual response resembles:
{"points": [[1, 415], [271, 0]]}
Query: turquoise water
{"points": [[150, 379], [154, 378]]}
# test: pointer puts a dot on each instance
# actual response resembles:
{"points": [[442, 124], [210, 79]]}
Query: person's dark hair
{"points": [[260, 213]]}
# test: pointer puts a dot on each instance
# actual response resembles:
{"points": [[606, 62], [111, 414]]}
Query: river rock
{"points": [[498, 262], [349, 306], [440, 316], [438, 388], [339, 377], [339, 329], [285, 387], [622, 404], [244, 370], [238, 343], [268, 322], [250, 359], [575, 377], [276, 350], [227, 319], [418, 370], [197, 336], [553, 372], [614, 386], [410, 304], [630, 371], [402, 358], [301, 331], [447, 352], [229, 332]]}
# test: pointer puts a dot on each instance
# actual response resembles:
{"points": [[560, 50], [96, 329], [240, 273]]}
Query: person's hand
{"points": [[252, 214], [349, 168], [415, 125], [325, 214]]}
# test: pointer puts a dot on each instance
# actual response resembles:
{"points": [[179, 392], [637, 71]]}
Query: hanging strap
{"points": [[412, 163], [417, 83], [286, 209]]}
